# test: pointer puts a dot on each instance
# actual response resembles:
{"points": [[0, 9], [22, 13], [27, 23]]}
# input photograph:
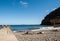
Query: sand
{"points": [[6, 34], [49, 35]]}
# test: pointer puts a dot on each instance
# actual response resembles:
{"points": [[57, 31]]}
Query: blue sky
{"points": [[26, 11]]}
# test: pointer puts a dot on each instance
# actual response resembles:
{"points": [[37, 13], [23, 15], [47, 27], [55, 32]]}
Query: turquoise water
{"points": [[25, 27]]}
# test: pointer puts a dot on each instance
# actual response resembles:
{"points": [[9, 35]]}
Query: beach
{"points": [[48, 35], [29, 20], [43, 34]]}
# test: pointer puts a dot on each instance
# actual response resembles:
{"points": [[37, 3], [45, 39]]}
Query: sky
{"points": [[18, 12]]}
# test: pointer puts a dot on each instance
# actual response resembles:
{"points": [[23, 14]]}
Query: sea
{"points": [[17, 28]]}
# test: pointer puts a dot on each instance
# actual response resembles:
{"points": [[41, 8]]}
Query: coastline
{"points": [[46, 35], [40, 29], [47, 28]]}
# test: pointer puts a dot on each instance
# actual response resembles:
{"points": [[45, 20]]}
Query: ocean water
{"points": [[25, 27]]}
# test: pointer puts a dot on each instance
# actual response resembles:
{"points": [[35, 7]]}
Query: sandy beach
{"points": [[44, 34], [29, 20], [48, 35]]}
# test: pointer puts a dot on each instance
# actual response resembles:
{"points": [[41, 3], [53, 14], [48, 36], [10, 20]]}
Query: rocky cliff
{"points": [[52, 15]]}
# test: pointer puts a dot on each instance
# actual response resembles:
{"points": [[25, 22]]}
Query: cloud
{"points": [[54, 8], [47, 11], [23, 3]]}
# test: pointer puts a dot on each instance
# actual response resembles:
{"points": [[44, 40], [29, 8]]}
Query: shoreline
{"points": [[46, 35], [47, 28], [41, 29]]}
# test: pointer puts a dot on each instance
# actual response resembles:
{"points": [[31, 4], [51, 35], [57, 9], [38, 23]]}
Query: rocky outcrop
{"points": [[52, 15]]}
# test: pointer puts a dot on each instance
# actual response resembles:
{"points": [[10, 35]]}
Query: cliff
{"points": [[52, 15]]}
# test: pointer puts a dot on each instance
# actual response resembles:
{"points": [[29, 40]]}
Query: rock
{"points": [[52, 15]]}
